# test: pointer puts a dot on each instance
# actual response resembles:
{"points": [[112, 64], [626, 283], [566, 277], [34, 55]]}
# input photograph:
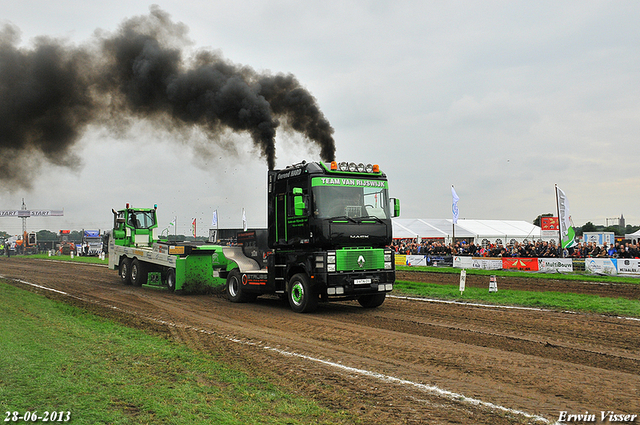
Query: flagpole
{"points": [[559, 226]]}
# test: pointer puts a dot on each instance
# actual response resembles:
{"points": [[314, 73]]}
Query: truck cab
{"points": [[329, 231], [135, 227]]}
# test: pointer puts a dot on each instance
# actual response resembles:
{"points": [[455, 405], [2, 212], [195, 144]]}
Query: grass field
{"points": [[58, 358], [548, 300]]}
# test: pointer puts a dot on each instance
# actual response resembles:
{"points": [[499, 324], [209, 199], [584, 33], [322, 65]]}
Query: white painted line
{"points": [[435, 300], [33, 284], [379, 376], [506, 307]]}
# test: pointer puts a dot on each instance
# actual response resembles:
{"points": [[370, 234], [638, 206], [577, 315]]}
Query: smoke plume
{"points": [[52, 91]]}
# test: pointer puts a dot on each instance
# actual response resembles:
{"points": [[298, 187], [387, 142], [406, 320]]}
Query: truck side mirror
{"points": [[396, 207], [299, 205]]}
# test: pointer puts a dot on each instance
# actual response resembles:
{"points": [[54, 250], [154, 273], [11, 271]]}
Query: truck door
{"points": [[281, 218]]}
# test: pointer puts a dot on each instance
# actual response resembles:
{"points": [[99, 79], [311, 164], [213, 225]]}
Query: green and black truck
{"points": [[328, 238]]}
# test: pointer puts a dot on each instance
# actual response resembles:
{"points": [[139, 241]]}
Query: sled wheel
{"points": [[125, 271], [138, 273], [171, 279]]}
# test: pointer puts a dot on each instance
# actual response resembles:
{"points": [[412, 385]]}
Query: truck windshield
{"points": [[351, 198], [141, 219]]}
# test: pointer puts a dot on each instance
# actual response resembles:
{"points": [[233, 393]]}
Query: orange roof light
{"points": [[376, 168], [334, 166]]}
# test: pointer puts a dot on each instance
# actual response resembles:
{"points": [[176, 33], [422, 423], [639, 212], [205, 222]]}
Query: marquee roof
{"points": [[476, 229]]}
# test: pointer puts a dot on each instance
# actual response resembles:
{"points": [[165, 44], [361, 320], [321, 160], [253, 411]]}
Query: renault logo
{"points": [[361, 261]]}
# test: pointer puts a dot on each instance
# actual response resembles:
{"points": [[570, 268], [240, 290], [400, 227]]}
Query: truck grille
{"points": [[359, 259]]}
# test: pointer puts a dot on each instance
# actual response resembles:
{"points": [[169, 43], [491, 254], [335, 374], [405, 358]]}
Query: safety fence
{"points": [[609, 266]]}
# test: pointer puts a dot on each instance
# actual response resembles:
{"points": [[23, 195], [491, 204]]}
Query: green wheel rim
{"points": [[297, 293]]}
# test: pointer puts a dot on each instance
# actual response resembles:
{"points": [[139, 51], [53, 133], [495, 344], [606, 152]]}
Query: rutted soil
{"points": [[410, 362]]}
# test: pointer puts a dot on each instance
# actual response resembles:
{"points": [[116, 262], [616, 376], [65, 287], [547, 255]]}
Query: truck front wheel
{"points": [[302, 297], [138, 273], [372, 301], [125, 271]]}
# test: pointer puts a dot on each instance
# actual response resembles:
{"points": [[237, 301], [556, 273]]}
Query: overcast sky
{"points": [[502, 99]]}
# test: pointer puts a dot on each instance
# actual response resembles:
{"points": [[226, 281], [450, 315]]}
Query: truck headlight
{"points": [[331, 267]]}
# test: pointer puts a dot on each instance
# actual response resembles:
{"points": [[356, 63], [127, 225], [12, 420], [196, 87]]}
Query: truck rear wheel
{"points": [[235, 291], [372, 301], [138, 273], [302, 297], [125, 271]]}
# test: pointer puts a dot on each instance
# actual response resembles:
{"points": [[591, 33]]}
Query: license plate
{"points": [[361, 281]]}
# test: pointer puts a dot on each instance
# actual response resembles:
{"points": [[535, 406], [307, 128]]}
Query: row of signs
{"points": [[610, 266]]}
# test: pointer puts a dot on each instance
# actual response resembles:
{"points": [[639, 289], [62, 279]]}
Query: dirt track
{"points": [[386, 365]]}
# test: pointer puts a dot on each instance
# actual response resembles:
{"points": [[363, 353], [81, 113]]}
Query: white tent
{"points": [[492, 231], [634, 237]]}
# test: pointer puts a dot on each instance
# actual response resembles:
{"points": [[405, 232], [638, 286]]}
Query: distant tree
{"points": [[589, 227], [75, 236], [631, 229], [615, 229], [4, 235], [537, 221], [46, 236]]}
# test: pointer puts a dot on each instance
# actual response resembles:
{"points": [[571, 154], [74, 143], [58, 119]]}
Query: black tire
{"points": [[372, 301], [125, 271], [138, 272], [171, 279], [235, 291], [303, 298]]}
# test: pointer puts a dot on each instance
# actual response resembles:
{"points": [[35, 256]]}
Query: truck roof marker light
{"points": [[127, 205], [376, 168], [155, 206], [334, 166]]}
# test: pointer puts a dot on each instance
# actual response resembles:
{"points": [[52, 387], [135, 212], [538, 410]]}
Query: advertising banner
{"points": [[514, 263], [462, 262], [628, 266], [555, 264], [477, 263], [416, 260], [601, 265], [401, 260], [549, 227], [487, 263]]}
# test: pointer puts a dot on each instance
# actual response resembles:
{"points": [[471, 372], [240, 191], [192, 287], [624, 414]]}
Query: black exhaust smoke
{"points": [[50, 93]]}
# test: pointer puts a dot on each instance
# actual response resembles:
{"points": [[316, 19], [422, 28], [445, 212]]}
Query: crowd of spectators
{"points": [[517, 249]]}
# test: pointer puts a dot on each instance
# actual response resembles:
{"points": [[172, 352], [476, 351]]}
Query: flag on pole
{"points": [[244, 221], [173, 223], [193, 227], [454, 206], [214, 221], [567, 233]]}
